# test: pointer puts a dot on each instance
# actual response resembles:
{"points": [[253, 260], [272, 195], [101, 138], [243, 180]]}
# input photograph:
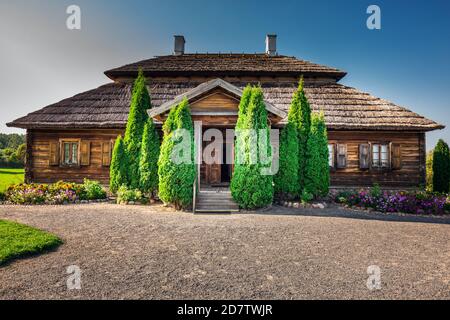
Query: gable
{"points": [[214, 91], [215, 101]]}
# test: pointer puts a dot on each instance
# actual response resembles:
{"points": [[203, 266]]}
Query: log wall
{"points": [[410, 175]]}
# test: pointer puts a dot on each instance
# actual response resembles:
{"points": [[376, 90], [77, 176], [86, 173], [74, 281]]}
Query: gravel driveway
{"points": [[154, 253]]}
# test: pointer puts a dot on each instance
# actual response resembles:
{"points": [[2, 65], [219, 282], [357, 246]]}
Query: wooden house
{"points": [[371, 140]]}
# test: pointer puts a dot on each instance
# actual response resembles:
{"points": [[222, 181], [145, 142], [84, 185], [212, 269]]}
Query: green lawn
{"points": [[10, 176], [19, 240]]}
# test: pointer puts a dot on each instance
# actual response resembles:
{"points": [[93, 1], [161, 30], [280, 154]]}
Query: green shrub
{"points": [[252, 184], [2, 196], [176, 179], [93, 190], [125, 195], [375, 191], [140, 103], [148, 162], [441, 167], [429, 174], [300, 115], [286, 179], [306, 196], [118, 170], [313, 169]]}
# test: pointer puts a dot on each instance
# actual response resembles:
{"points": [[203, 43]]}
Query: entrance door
{"points": [[219, 173]]}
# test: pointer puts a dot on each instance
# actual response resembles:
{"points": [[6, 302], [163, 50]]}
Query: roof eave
{"points": [[113, 74]]}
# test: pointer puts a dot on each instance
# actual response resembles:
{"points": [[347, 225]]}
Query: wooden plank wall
{"points": [[41, 171], [411, 174]]}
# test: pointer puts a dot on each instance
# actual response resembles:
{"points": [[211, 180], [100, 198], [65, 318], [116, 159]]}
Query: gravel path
{"points": [[153, 253]]}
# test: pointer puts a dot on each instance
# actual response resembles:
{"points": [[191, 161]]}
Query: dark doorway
{"points": [[226, 167]]}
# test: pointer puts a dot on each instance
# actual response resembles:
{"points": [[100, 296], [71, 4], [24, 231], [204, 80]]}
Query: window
{"points": [[380, 155], [331, 155], [70, 153], [341, 156]]}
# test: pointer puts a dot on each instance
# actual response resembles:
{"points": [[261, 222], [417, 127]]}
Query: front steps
{"points": [[215, 201]]}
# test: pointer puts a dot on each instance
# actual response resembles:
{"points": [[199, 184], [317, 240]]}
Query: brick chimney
{"points": [[178, 48], [271, 44]]}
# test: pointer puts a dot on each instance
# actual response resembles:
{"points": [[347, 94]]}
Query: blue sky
{"points": [[407, 61]]}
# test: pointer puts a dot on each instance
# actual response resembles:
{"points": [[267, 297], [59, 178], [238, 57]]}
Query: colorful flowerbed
{"points": [[406, 202], [58, 193]]}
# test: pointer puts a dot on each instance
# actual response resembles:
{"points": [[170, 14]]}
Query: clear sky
{"points": [[406, 62]]}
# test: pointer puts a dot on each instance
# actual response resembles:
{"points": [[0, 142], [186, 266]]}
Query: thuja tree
{"points": [[148, 161], [140, 102], [300, 116], [176, 167], [239, 145], [119, 166], [252, 185], [322, 137], [441, 167], [286, 179], [316, 160]]}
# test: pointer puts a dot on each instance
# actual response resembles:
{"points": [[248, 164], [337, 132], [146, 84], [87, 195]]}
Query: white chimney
{"points": [[271, 44], [179, 45]]}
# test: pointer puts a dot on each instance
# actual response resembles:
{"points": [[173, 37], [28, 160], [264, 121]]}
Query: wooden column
{"points": [[29, 157]]}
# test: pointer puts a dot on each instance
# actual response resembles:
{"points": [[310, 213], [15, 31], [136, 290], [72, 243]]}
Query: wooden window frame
{"points": [[61, 152], [339, 167], [380, 167]]}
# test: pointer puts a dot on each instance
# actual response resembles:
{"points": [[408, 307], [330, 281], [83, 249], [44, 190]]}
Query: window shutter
{"points": [[364, 156], [85, 153], [396, 156], [106, 153], [341, 155], [54, 153]]}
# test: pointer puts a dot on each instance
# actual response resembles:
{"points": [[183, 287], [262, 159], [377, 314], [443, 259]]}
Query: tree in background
{"points": [[429, 173], [148, 161], [300, 116], [441, 167], [176, 169], [119, 166], [252, 185], [140, 103]]}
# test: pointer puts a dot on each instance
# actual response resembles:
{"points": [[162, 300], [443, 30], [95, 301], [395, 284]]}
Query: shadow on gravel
{"points": [[339, 212]]}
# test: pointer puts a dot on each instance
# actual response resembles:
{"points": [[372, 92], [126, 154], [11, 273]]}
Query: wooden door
{"points": [[212, 171]]}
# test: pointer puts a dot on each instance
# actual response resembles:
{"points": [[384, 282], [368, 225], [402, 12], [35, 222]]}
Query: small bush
{"points": [[306, 196], [2, 196], [375, 191], [27, 193], [94, 190], [125, 195]]}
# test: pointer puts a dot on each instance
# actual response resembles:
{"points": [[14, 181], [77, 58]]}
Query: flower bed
{"points": [[58, 193], [387, 202]]}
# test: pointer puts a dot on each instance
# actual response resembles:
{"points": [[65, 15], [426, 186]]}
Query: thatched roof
{"points": [[344, 107], [222, 64]]}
